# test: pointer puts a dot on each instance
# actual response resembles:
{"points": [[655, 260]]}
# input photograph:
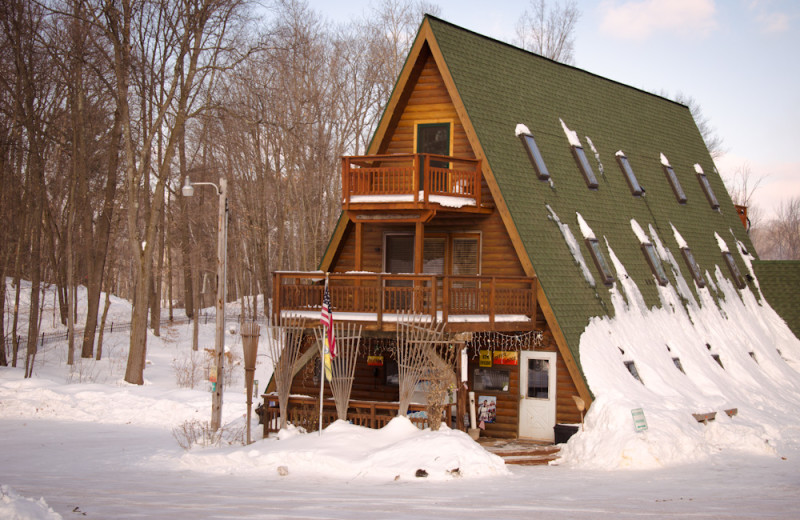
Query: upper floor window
{"points": [[688, 257], [535, 156], [600, 261], [677, 189], [655, 263], [701, 176], [627, 171], [738, 280]]}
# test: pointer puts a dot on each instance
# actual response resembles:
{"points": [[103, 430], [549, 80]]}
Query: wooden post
{"points": [[276, 297], [380, 301], [346, 182], [461, 394], [415, 178], [534, 288], [492, 302], [478, 188]]}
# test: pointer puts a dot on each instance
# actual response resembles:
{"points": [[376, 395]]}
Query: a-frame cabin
{"points": [[467, 206]]}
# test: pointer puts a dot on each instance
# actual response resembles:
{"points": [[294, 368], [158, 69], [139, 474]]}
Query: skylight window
{"points": [[627, 171], [673, 180], [535, 156], [701, 176], [600, 261], [655, 263], [631, 366], [580, 157], [688, 257], [734, 269]]}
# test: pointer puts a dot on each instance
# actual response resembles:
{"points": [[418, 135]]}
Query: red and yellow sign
{"points": [[505, 358], [375, 361]]}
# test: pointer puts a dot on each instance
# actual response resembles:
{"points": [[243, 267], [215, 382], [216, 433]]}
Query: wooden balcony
{"points": [[412, 182], [464, 303]]}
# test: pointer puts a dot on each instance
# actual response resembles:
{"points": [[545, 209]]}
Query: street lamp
{"points": [[222, 257]]}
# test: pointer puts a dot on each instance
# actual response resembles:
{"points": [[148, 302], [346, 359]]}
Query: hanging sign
{"points": [[639, 422], [212, 374], [486, 358], [502, 357], [375, 361]]}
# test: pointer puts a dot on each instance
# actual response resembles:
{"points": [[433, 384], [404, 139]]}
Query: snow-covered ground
{"points": [[79, 442]]}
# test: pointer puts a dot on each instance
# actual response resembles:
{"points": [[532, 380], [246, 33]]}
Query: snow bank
{"points": [[757, 380], [13, 506], [345, 452]]}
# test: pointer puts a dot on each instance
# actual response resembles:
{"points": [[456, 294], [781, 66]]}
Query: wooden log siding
{"points": [[368, 293], [397, 175], [304, 412]]}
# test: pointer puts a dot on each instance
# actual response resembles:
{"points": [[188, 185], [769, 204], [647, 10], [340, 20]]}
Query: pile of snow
{"points": [[759, 381], [344, 451], [13, 506]]}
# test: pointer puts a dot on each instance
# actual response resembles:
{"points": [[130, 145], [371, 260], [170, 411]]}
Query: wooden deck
{"points": [[464, 303], [520, 451]]}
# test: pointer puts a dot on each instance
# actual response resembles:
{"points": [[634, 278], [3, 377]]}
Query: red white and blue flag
{"points": [[329, 341]]}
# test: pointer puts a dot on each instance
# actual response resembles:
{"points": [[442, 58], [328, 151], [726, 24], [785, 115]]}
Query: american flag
{"points": [[327, 321]]}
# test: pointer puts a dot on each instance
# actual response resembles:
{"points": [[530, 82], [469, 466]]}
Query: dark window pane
{"points": [[488, 379], [712, 199], [538, 378], [734, 269], [633, 183], [676, 185], [655, 264], [688, 256], [535, 156], [600, 261], [585, 167]]}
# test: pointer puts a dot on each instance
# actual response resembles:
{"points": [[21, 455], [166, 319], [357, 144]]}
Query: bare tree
{"points": [[549, 30], [713, 141], [779, 239]]}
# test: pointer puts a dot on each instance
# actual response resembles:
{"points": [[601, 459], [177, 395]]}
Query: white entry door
{"points": [[537, 404]]}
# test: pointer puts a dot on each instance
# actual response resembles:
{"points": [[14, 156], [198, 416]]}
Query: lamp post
{"points": [[222, 257]]}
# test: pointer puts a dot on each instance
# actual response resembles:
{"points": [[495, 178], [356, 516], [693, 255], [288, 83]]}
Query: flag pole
{"points": [[322, 366]]}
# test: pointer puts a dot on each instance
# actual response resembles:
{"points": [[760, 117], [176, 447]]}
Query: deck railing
{"points": [[409, 178], [304, 411], [459, 299]]}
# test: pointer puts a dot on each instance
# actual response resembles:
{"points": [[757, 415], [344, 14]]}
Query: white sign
{"points": [[639, 422]]}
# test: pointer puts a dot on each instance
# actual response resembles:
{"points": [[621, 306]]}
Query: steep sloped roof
{"points": [[501, 86], [779, 281]]}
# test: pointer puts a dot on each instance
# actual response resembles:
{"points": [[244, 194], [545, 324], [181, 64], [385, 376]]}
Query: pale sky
{"points": [[737, 58]]}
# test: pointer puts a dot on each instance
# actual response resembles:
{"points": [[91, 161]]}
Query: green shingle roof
{"points": [[501, 86], [780, 285]]}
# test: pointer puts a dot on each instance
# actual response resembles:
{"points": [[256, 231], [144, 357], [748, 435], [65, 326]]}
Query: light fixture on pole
{"points": [[222, 258]]}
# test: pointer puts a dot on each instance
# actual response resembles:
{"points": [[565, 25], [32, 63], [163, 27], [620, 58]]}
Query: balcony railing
{"points": [[304, 411], [379, 300], [411, 180]]}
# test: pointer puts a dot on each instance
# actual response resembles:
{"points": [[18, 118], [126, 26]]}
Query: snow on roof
{"points": [[678, 238], [573, 246], [572, 136], [664, 161], [586, 231], [766, 392], [698, 169], [722, 245], [620, 153], [596, 155], [640, 234], [521, 129]]}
